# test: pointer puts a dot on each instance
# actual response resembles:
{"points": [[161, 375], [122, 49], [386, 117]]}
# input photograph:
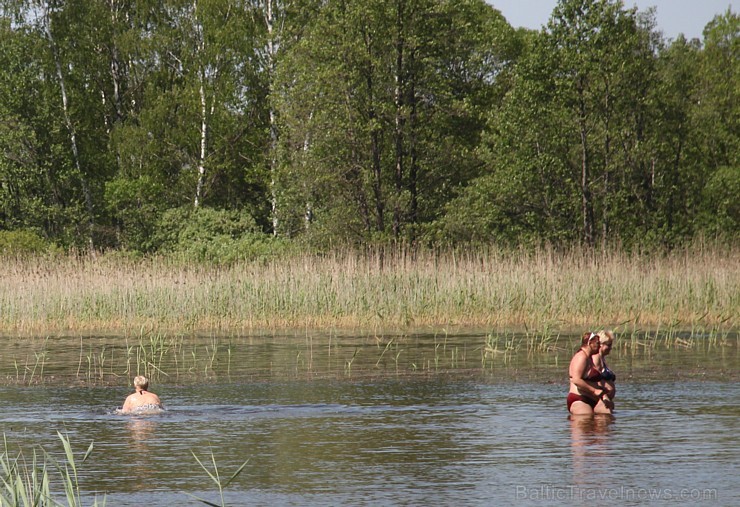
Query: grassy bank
{"points": [[542, 290]]}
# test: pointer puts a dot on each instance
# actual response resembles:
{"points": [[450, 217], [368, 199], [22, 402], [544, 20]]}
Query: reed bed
{"points": [[543, 290]]}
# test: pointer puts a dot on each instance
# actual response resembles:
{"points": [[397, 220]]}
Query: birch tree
{"points": [[283, 24], [47, 12], [385, 92]]}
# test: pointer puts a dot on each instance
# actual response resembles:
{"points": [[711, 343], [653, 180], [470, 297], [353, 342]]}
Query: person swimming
{"points": [[142, 401]]}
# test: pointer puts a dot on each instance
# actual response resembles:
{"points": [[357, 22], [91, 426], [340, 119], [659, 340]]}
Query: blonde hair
{"points": [[606, 336], [142, 382]]}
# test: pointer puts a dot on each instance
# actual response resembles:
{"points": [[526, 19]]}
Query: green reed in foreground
{"points": [[27, 484], [216, 478], [541, 291], [23, 484]]}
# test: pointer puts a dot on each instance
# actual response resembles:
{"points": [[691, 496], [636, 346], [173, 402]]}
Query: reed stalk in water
{"points": [[23, 484], [216, 478], [28, 484]]}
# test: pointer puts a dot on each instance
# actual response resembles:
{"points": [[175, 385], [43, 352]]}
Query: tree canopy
{"points": [[346, 121]]}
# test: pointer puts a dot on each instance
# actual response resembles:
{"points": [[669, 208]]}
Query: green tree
{"points": [[21, 177], [717, 115], [565, 151], [677, 172], [197, 135], [719, 100], [47, 180], [382, 104]]}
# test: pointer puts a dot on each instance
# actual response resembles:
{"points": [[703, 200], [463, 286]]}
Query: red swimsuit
{"points": [[593, 375]]}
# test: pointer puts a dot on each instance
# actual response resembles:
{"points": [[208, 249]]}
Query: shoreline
{"points": [[543, 292]]}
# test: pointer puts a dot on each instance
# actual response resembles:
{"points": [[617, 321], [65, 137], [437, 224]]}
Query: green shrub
{"points": [[218, 236], [136, 205], [22, 243]]}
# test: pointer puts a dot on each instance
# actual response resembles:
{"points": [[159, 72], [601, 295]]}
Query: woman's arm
{"points": [[598, 363], [608, 385], [610, 389]]}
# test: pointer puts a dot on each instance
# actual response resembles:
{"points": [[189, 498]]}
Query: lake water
{"points": [[426, 420]]}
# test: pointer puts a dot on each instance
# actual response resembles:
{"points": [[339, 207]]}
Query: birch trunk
{"points": [[586, 203], [308, 214], [413, 152], [203, 141], [399, 120], [377, 182], [115, 66], [203, 111], [272, 47], [87, 195], [607, 161]]}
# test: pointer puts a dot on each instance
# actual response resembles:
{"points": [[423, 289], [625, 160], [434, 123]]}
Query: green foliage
{"points": [[361, 122], [136, 205], [219, 236], [28, 484], [721, 206], [23, 242], [23, 484], [216, 478], [383, 105], [68, 470]]}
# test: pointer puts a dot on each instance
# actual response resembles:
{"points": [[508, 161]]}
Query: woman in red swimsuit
{"points": [[585, 390]]}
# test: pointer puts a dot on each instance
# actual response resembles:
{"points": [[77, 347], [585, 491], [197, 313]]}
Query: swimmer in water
{"points": [[142, 400]]}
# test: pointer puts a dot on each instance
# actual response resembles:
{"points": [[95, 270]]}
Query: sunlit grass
{"points": [[542, 291]]}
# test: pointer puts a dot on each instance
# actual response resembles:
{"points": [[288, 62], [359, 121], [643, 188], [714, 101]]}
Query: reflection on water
{"points": [[141, 437], [141, 430], [89, 361], [324, 432], [591, 447]]}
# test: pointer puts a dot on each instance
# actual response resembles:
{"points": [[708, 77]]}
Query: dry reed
{"points": [[484, 289]]}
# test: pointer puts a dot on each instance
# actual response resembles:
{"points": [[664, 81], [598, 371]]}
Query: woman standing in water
{"points": [[606, 339], [586, 393], [142, 400]]}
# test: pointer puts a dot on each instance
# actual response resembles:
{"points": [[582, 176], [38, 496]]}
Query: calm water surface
{"points": [[428, 423]]}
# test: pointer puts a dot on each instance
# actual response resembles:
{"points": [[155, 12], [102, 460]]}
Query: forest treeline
{"points": [[151, 126]]}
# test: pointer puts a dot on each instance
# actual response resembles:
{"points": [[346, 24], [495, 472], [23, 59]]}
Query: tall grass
{"points": [[536, 291]]}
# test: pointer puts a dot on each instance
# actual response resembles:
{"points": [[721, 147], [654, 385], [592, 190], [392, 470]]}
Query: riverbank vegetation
{"points": [[379, 290], [365, 164], [130, 125]]}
